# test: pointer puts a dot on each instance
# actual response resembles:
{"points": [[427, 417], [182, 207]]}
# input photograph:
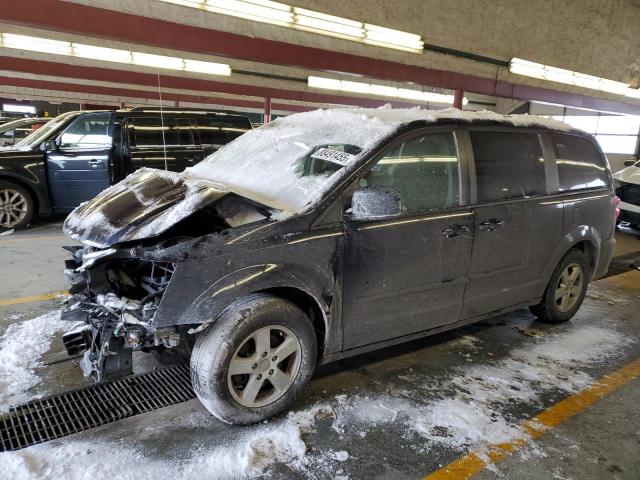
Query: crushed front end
{"points": [[115, 295]]}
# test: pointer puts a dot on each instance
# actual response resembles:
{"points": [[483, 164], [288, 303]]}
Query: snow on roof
{"points": [[400, 116]]}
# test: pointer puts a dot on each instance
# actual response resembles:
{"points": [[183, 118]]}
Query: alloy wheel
{"points": [[569, 287], [13, 207], [264, 366]]}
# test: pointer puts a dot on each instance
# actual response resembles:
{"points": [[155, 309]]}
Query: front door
{"points": [[407, 273], [515, 230], [78, 168]]}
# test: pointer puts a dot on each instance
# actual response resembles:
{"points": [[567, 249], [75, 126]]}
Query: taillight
{"points": [[616, 203]]}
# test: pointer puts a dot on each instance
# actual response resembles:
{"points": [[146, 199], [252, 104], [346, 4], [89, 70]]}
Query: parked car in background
{"points": [[17, 130], [331, 233], [78, 154], [628, 190], [10, 116]]}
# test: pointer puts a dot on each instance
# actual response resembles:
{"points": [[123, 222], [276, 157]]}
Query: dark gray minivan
{"points": [[330, 233]]}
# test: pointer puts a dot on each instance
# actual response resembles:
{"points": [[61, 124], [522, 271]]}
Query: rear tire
{"points": [[17, 206], [566, 289], [272, 346]]}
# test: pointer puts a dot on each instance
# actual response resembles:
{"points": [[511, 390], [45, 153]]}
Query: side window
{"points": [[148, 132], [8, 135], [88, 131], [184, 130], [24, 132], [422, 170], [579, 163], [218, 131], [508, 165]]}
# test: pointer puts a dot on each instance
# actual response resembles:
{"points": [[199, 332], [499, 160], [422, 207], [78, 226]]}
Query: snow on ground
{"points": [[21, 346], [475, 400], [469, 407]]}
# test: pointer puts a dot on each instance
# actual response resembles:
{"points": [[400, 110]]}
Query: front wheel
{"points": [[16, 206], [254, 360], [566, 290]]}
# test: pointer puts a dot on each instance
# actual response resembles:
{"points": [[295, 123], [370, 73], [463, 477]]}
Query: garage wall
{"points": [[563, 33], [600, 37]]}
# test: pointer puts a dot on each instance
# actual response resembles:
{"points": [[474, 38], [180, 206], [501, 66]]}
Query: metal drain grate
{"points": [[71, 412]]}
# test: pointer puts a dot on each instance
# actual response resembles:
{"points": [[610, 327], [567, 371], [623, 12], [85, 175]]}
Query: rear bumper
{"points": [[606, 254], [629, 213]]}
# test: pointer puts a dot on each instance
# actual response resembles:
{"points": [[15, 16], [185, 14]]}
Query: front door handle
{"points": [[491, 225], [95, 161], [455, 230]]}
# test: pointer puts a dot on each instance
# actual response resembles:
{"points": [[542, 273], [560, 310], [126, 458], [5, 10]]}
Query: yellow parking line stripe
{"points": [[22, 238], [35, 298], [473, 463]]}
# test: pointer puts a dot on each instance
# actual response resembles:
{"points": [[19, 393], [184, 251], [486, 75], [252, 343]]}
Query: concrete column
{"points": [[458, 96], [267, 110]]}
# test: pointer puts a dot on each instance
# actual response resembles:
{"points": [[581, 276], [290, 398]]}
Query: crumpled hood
{"points": [[629, 175], [145, 204]]}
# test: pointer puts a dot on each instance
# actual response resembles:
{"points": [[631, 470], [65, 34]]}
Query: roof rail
{"points": [[176, 110]]}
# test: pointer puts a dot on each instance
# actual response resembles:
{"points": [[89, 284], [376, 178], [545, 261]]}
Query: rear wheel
{"points": [[16, 206], [254, 360], [566, 290]]}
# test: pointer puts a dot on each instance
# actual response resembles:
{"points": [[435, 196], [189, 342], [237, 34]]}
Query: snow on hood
{"points": [[143, 205]]}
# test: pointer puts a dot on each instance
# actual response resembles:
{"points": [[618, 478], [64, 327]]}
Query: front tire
{"points": [[566, 289], [17, 206], [254, 360]]}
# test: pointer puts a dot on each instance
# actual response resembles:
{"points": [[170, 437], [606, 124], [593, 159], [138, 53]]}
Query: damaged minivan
{"points": [[330, 233]]}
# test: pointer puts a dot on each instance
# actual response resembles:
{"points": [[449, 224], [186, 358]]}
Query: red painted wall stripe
{"points": [[150, 95]]}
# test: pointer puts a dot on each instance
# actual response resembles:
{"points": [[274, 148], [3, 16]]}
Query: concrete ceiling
{"points": [[594, 37]]}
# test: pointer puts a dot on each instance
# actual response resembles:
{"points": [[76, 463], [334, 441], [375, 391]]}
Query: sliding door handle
{"points": [[491, 225], [455, 230]]}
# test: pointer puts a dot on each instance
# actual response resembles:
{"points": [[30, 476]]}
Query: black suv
{"points": [[330, 233], [78, 154]]}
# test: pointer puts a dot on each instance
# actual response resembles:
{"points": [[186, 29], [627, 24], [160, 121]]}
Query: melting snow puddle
{"points": [[468, 408]]}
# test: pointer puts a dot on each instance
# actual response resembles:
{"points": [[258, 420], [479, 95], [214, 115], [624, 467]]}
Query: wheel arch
{"points": [[584, 238], [308, 304], [306, 292], [40, 205]]}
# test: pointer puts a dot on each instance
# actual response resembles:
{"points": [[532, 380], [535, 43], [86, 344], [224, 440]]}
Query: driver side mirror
{"points": [[49, 146], [375, 202], [630, 163]]}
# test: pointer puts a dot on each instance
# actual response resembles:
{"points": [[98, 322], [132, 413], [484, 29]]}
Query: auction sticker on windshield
{"points": [[341, 158]]}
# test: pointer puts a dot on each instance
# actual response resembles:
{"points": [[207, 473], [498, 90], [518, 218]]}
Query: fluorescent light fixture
{"points": [[309, 20], [260, 10], [101, 53], [35, 44], [8, 107], [158, 61], [206, 67], [381, 90], [79, 50], [568, 77]]}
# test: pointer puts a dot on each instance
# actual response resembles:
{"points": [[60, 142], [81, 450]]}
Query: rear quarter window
{"points": [[580, 164], [220, 130], [156, 132]]}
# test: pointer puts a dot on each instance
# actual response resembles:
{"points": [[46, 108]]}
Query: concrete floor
{"points": [[372, 407]]}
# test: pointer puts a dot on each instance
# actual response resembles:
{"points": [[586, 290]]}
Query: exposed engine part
{"points": [[167, 337], [116, 311]]}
